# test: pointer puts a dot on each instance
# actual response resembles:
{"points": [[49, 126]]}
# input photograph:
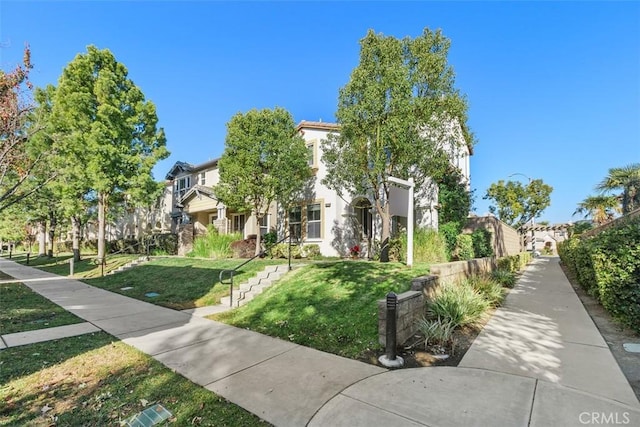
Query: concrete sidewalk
{"points": [[540, 361]]}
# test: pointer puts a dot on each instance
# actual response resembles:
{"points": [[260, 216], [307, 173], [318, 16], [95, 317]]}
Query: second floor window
{"points": [[203, 178], [182, 185]]}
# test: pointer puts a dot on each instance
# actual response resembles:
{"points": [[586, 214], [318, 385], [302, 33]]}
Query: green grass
{"points": [[86, 268], [24, 310], [180, 282], [94, 380], [330, 306]]}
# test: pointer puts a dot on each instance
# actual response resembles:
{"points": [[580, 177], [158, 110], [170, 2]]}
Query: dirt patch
{"points": [[416, 355]]}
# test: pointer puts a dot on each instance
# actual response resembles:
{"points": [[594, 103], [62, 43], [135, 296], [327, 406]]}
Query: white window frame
{"points": [[314, 221], [182, 185]]}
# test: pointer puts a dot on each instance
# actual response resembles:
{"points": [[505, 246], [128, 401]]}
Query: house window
{"points": [[237, 223], [182, 185], [311, 154], [213, 217], [203, 179], [314, 221], [264, 225], [295, 222]]}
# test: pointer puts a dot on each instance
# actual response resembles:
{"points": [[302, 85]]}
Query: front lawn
{"points": [[86, 268], [330, 306], [24, 310], [95, 380], [180, 283]]}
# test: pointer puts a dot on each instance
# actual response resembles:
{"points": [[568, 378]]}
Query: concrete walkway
{"points": [[540, 361]]}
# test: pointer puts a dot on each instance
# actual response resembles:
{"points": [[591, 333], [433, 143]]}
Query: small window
{"points": [[313, 221], [264, 225], [203, 179], [237, 223], [295, 222], [311, 151]]}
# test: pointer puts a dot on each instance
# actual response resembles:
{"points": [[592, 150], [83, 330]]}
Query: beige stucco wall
{"points": [[506, 239]]}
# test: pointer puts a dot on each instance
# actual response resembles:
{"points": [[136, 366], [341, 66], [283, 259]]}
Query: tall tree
{"points": [[264, 161], [517, 204], [627, 180], [19, 122], [399, 116], [106, 128], [454, 197], [601, 209]]}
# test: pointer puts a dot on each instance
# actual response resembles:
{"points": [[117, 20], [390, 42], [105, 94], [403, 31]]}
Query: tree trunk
{"points": [[384, 212], [258, 236], [42, 238], [75, 237], [102, 202], [52, 232]]}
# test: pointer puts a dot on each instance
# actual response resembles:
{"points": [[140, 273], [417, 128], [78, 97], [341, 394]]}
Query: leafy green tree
{"points": [[399, 116], [20, 153], [264, 161], [601, 209], [517, 204], [454, 197], [107, 130], [627, 179]]}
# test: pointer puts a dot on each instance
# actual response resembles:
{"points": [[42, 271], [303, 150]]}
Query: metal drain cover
{"points": [[632, 347]]}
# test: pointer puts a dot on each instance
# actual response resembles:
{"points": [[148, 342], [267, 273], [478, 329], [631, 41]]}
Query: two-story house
{"points": [[335, 224]]}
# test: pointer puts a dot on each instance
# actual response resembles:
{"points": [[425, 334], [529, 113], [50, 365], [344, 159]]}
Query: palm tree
{"points": [[627, 179], [601, 209]]}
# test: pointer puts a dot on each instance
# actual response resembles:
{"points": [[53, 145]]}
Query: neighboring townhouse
{"points": [[541, 236], [189, 202], [322, 217]]}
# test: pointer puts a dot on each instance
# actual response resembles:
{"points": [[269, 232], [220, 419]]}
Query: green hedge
{"points": [[607, 266], [514, 263]]}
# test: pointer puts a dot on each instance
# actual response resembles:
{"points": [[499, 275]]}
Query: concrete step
{"points": [[256, 285]]}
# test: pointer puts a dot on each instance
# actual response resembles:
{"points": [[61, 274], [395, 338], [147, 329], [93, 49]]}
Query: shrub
{"points": [[269, 239], [464, 247], [514, 263], [607, 266], [217, 246], [449, 232], [458, 303], [505, 278], [490, 289], [481, 239], [436, 331], [281, 250], [428, 246], [245, 248]]}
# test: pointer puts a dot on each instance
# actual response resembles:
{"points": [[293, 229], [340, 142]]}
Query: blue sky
{"points": [[553, 87]]}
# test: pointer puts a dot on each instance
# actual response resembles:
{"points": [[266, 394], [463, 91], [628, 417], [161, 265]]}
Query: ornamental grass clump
{"points": [[459, 303], [490, 289], [436, 332], [505, 277]]}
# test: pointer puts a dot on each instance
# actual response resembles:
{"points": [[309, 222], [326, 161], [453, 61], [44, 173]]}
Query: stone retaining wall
{"points": [[411, 304], [409, 310]]}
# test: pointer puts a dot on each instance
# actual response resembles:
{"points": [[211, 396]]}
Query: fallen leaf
{"points": [[144, 402], [45, 409]]}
